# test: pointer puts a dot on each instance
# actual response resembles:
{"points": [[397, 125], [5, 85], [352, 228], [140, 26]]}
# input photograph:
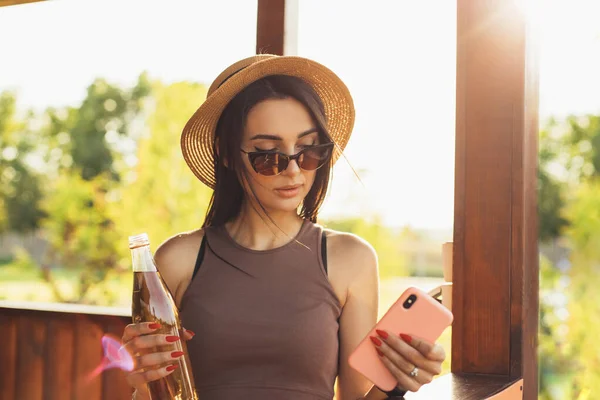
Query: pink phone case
{"points": [[425, 319]]}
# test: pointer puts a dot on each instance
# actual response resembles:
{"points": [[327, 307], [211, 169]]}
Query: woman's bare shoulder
{"points": [[349, 244], [176, 257], [178, 243], [352, 263]]}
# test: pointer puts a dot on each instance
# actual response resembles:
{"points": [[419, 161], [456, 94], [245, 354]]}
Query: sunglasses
{"points": [[271, 163]]}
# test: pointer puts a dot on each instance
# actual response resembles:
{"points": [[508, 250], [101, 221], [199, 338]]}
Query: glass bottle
{"points": [[153, 302]]}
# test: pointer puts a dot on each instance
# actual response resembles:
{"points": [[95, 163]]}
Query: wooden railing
{"points": [[48, 351]]}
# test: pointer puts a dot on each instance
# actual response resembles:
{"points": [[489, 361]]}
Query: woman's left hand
{"points": [[403, 355]]}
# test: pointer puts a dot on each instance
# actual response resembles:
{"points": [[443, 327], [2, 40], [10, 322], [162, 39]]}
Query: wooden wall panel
{"points": [[49, 355], [8, 354], [31, 351]]}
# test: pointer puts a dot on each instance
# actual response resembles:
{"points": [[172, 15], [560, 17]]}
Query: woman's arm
{"points": [[353, 267]]}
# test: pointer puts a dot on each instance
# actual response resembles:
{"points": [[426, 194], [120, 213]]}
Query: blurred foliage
{"points": [[23, 261], [166, 198], [20, 185], [550, 195], [81, 235], [88, 158], [569, 153], [386, 242], [79, 150], [583, 212], [569, 203], [556, 355], [107, 110]]}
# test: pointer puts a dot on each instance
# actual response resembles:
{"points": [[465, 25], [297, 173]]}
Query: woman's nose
{"points": [[293, 168]]}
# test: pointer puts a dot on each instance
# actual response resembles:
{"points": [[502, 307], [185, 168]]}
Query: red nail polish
{"points": [[171, 339], [381, 333], [379, 352], [154, 325], [406, 338], [190, 332], [176, 354], [375, 341], [171, 368]]}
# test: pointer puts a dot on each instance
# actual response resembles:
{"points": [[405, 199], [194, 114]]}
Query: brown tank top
{"points": [[266, 322]]}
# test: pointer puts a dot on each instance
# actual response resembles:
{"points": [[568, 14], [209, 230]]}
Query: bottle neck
{"points": [[142, 260]]}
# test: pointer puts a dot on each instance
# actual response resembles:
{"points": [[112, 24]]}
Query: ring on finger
{"points": [[415, 372]]}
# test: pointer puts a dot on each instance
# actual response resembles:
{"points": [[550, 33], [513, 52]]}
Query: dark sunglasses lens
{"points": [[268, 164], [313, 158]]}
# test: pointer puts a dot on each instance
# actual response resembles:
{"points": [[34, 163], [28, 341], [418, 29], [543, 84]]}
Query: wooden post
{"points": [[495, 296], [277, 27]]}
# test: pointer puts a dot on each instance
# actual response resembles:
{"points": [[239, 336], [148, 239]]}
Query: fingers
{"points": [[405, 381], [155, 359], [141, 341], [138, 379], [404, 345], [403, 367], [186, 334], [431, 351], [149, 342], [134, 330]]}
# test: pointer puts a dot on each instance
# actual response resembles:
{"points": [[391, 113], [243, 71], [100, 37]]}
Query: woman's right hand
{"points": [[139, 340]]}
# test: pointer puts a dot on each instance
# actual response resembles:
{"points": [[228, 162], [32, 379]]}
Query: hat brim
{"points": [[198, 134]]}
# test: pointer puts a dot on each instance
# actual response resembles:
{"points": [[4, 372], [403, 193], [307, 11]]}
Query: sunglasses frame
{"points": [[295, 157]]}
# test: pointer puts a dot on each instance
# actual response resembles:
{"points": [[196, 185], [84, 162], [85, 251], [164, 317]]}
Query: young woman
{"points": [[277, 302]]}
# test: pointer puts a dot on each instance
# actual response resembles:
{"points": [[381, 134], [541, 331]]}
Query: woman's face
{"points": [[285, 126]]}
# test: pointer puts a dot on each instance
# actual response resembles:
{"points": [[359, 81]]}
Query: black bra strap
{"points": [[324, 250], [200, 257]]}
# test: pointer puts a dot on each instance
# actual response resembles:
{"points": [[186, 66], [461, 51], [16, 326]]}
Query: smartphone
{"points": [[415, 313]]}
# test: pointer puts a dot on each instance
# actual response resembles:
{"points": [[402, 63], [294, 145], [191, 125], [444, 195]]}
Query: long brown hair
{"points": [[228, 196]]}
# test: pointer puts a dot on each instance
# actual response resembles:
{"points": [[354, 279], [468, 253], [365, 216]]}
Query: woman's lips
{"points": [[288, 191]]}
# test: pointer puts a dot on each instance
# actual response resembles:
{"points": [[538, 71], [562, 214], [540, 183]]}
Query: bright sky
{"points": [[397, 57]]}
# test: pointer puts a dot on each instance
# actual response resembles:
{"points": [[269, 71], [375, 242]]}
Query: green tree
{"points": [[80, 147], [583, 212], [551, 197], [557, 359], [160, 195], [105, 115], [569, 202], [20, 185], [82, 237], [569, 153]]}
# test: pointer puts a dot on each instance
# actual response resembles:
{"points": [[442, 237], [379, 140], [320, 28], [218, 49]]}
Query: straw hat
{"points": [[198, 134]]}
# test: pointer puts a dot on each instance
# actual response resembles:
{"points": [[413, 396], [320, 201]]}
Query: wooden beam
{"points": [[495, 296], [277, 27], [15, 2]]}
